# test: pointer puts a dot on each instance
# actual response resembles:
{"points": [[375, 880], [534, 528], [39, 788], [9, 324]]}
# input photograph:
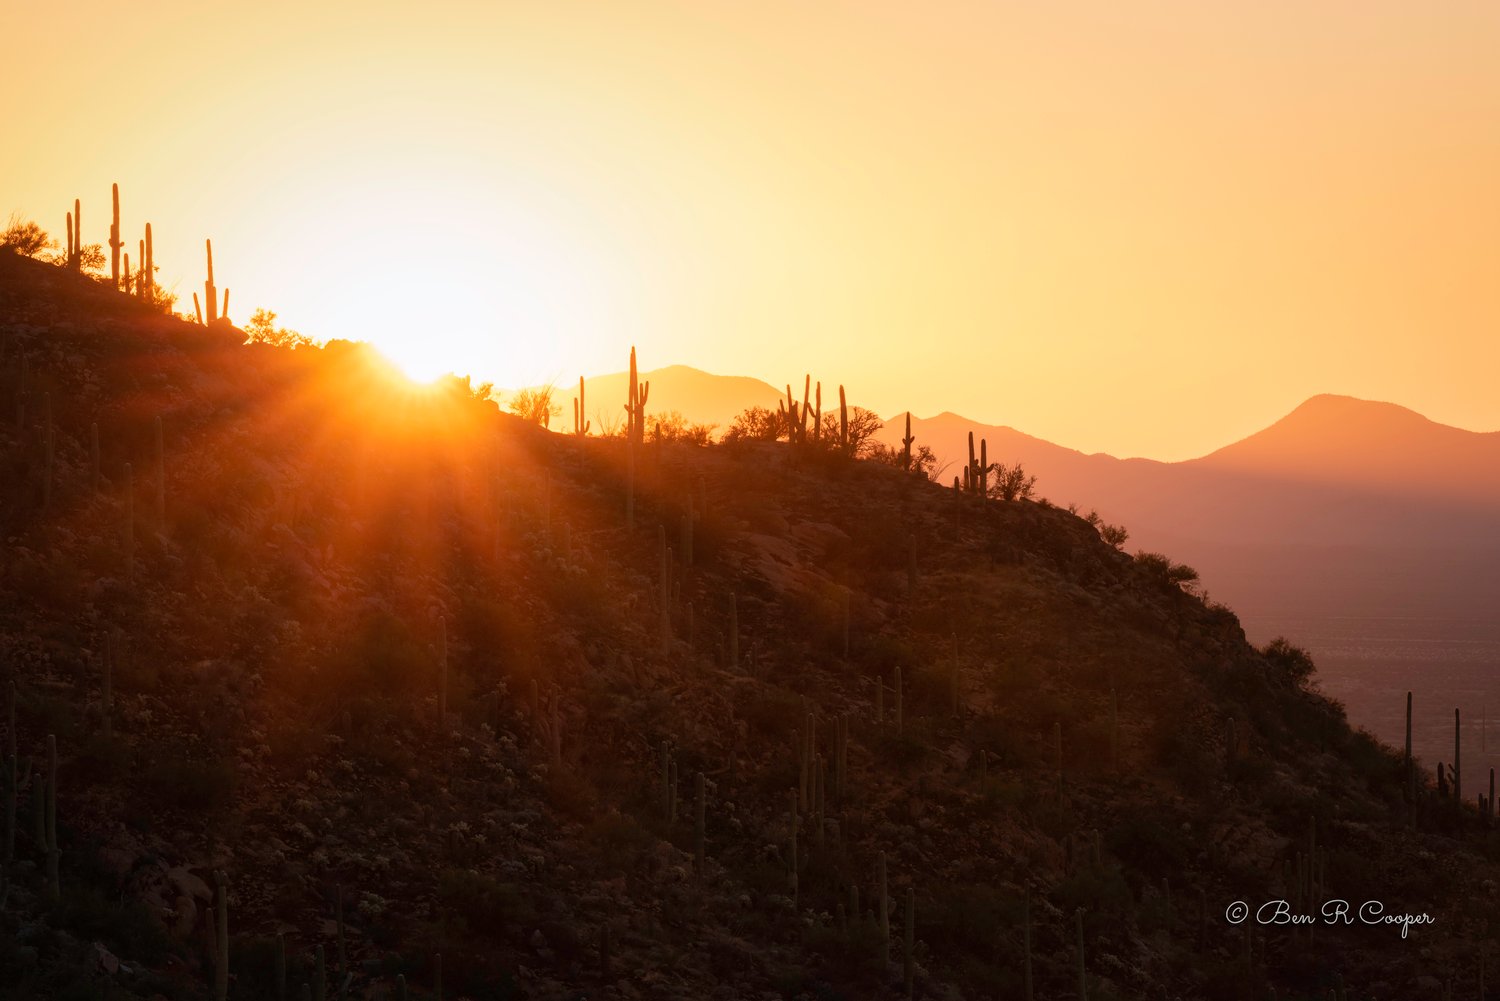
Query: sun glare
{"points": [[409, 358]]}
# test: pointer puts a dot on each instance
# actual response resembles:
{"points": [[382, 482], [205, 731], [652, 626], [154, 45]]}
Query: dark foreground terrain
{"points": [[397, 667]]}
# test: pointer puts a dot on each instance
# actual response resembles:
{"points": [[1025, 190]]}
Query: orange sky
{"points": [[1144, 228]]}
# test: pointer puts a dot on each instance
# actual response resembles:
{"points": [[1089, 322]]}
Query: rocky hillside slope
{"points": [[398, 669]]}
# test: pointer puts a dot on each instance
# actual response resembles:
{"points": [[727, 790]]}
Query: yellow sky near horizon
{"points": [[1147, 229]]}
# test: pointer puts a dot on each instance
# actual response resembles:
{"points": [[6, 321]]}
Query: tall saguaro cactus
{"points": [[635, 434], [75, 237], [210, 291], [145, 279], [115, 243], [843, 423], [1458, 790]]}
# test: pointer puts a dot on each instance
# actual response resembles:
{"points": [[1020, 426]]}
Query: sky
{"points": [[1147, 228]]}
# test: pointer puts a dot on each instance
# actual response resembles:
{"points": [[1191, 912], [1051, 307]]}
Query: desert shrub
{"points": [[1163, 571], [1113, 535], [1287, 663], [755, 424], [24, 237], [1011, 482], [671, 426]]}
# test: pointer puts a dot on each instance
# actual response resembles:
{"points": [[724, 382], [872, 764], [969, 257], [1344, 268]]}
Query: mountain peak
{"points": [[1335, 438]]}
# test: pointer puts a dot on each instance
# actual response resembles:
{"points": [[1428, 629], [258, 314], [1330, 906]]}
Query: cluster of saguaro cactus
{"points": [[793, 416], [977, 473], [581, 423], [1306, 876], [799, 417], [210, 292]]}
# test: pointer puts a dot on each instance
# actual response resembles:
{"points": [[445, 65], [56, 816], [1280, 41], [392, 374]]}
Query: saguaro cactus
{"points": [[843, 423], [210, 291], [906, 443], [581, 423], [1458, 776], [146, 280], [635, 431], [115, 243], [1411, 772]]}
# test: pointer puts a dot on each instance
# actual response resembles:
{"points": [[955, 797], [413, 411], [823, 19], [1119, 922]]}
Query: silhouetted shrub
{"points": [[755, 424], [1290, 664], [1163, 571], [1011, 482]]}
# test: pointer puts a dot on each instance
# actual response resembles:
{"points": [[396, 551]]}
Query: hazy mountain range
{"points": [[1343, 507]]}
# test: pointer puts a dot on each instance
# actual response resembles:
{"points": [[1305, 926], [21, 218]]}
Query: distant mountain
{"points": [[1339, 439], [1343, 507]]}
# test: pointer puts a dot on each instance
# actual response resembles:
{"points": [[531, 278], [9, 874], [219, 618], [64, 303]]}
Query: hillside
{"points": [[398, 666], [1292, 520]]}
